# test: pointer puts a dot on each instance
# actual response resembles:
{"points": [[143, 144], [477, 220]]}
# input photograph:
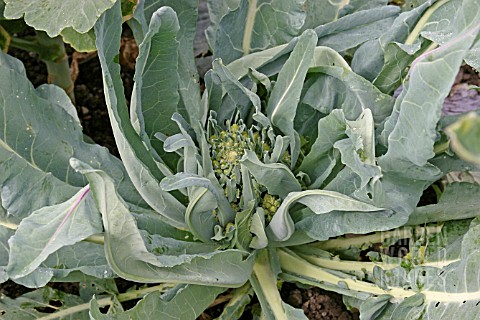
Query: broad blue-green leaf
{"points": [[54, 16], [319, 162], [458, 201], [257, 25], [320, 202], [181, 302], [411, 130], [189, 89], [216, 11], [30, 305], [139, 163], [465, 138], [270, 61], [257, 228], [397, 58], [368, 59], [41, 125], [441, 28], [5, 234], [184, 180], [243, 236], [236, 98], [285, 96], [451, 19], [129, 258], [70, 264], [82, 42], [162, 245], [25, 188], [345, 89], [50, 228], [276, 177], [320, 12], [356, 28], [155, 96], [187, 12], [358, 150], [200, 214], [472, 56]]}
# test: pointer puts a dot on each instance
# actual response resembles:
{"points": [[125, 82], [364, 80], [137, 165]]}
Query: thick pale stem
{"points": [[57, 64], [249, 22], [267, 283], [293, 264]]}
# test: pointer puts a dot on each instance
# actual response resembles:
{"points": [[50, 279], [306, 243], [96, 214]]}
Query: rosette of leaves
{"points": [[290, 144]]}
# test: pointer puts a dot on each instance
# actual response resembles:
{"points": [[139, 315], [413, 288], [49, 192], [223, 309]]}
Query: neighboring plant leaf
{"points": [[249, 29], [181, 302], [4, 39], [39, 303], [234, 308], [54, 16], [465, 138], [139, 163], [128, 257], [82, 42]]}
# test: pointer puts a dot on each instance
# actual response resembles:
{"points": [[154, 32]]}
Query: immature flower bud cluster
{"points": [[270, 205], [227, 149]]}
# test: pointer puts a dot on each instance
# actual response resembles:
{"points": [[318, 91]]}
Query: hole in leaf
{"points": [[55, 303], [45, 309], [437, 304], [476, 304], [369, 195], [104, 309], [424, 273], [464, 302], [2, 312]]}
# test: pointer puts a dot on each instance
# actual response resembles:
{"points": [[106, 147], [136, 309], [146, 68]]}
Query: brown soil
{"points": [[318, 304]]}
